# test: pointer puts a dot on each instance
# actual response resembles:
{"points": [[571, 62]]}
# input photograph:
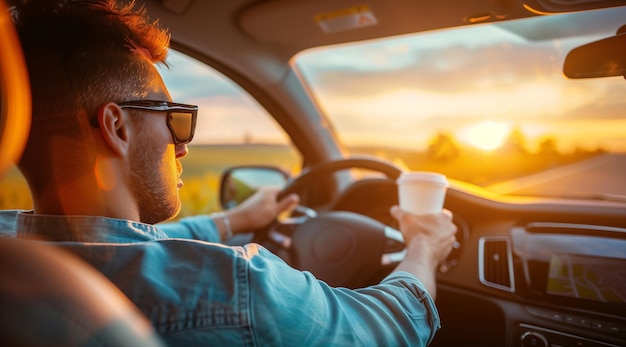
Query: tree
{"points": [[515, 142], [548, 146], [443, 147]]}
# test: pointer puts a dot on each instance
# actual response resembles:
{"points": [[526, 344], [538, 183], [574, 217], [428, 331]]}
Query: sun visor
{"points": [[309, 23]]}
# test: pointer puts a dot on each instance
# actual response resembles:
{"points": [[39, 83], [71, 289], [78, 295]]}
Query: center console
{"points": [[575, 275]]}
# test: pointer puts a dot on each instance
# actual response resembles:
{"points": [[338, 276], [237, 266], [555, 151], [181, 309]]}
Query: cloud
{"points": [[189, 78], [451, 69]]}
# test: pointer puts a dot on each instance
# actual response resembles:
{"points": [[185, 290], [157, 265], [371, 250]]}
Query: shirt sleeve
{"points": [[7, 222], [291, 307], [201, 228]]}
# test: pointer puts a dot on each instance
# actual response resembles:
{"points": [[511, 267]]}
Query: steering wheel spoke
{"points": [[395, 250], [280, 233]]}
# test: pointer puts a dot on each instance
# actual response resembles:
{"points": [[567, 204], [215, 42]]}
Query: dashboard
{"points": [[526, 271]]}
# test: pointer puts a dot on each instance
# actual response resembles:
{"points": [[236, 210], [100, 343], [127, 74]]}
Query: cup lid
{"points": [[422, 176]]}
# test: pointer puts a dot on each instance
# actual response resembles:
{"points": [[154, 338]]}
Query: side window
{"points": [[232, 129], [14, 194]]}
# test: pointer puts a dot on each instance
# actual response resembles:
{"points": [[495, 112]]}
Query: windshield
{"points": [[486, 104]]}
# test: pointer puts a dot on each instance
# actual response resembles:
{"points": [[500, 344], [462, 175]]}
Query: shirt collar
{"points": [[84, 229]]}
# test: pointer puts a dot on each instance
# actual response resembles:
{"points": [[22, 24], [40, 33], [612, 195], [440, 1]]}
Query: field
{"points": [[204, 165]]}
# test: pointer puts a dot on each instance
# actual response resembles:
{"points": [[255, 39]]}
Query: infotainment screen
{"points": [[586, 277]]}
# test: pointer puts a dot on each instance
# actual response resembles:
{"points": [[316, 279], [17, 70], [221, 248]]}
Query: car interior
{"points": [[540, 258]]}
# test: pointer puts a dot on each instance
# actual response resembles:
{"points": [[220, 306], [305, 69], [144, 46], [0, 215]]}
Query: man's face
{"points": [[154, 178], [155, 168]]}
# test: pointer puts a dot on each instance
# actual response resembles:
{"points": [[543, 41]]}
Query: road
{"points": [[604, 175]]}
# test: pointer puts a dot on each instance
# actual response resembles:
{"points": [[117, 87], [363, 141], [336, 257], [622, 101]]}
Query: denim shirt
{"points": [[196, 291]]}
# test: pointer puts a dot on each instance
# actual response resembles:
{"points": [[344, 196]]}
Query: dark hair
{"points": [[80, 55]]}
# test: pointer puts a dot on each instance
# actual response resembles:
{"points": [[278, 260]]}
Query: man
{"points": [[76, 174], [102, 163]]}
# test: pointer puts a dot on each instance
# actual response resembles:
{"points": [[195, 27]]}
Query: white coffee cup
{"points": [[421, 192]]}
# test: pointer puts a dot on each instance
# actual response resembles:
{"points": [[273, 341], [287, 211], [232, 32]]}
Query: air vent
{"points": [[495, 265]]}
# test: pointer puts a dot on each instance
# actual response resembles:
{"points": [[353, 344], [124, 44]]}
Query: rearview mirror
{"points": [[603, 58], [561, 6], [239, 183]]}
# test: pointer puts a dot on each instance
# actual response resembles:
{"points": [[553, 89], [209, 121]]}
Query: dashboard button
{"points": [[614, 328], [570, 319], [533, 339], [597, 325], [578, 321], [556, 316], [584, 322]]}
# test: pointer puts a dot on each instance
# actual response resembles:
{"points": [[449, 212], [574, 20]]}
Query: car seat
{"points": [[49, 297]]}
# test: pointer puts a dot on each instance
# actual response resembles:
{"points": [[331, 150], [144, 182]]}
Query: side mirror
{"points": [[239, 183]]}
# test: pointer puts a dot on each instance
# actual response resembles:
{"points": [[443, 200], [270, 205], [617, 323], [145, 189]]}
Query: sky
{"points": [[475, 84], [226, 112]]}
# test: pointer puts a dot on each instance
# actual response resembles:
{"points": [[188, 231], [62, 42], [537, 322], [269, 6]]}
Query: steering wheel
{"points": [[341, 248], [315, 172]]}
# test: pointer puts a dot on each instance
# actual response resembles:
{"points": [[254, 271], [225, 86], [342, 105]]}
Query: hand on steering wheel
{"points": [[261, 209]]}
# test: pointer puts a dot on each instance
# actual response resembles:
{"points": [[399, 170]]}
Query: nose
{"points": [[181, 151]]}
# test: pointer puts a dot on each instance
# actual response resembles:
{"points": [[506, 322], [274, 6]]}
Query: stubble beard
{"points": [[156, 200]]}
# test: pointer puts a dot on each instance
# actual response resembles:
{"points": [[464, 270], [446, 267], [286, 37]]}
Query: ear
{"points": [[114, 128]]}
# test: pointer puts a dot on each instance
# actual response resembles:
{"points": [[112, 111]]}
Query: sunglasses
{"points": [[181, 118]]}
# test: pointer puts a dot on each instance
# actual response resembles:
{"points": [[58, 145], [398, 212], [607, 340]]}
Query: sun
{"points": [[487, 135]]}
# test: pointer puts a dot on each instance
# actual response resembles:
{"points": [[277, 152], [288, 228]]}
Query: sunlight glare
{"points": [[488, 135]]}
